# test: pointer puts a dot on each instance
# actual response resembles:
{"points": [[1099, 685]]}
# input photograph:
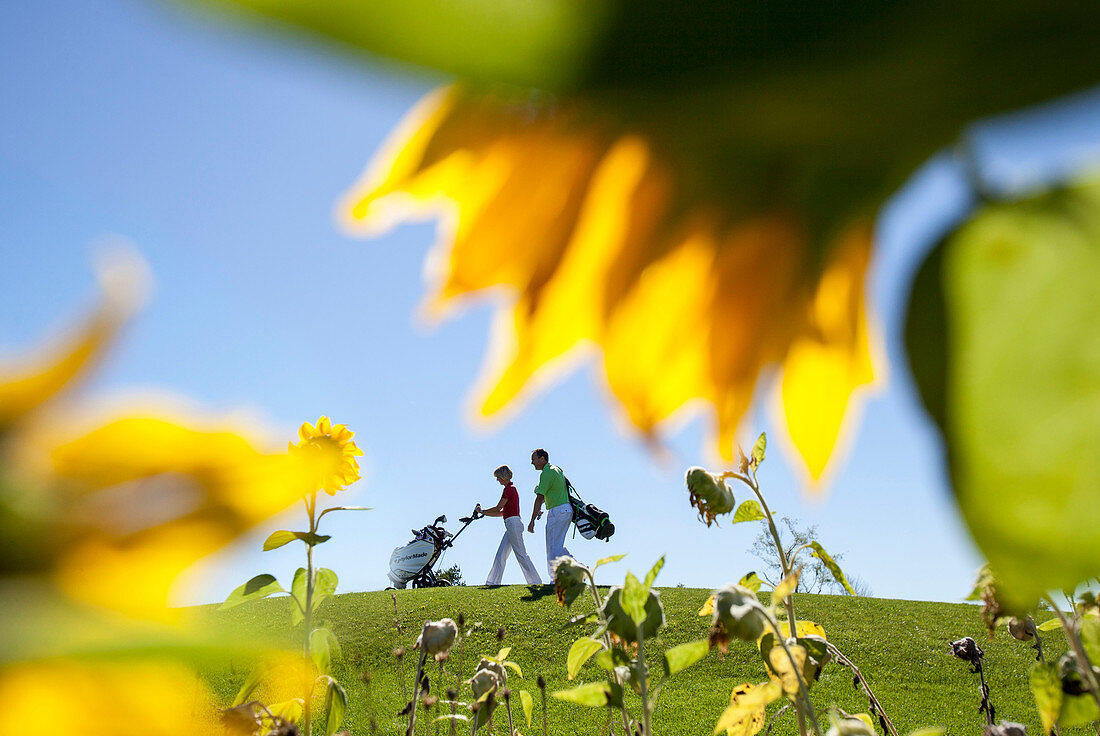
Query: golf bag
{"points": [[589, 520], [413, 562]]}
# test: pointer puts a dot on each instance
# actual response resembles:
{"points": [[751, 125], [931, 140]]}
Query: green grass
{"points": [[900, 646]]}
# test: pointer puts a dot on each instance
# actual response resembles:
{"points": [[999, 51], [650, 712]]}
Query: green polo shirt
{"points": [[552, 486]]}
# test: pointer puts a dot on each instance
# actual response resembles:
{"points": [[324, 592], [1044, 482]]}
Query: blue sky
{"points": [[220, 151]]}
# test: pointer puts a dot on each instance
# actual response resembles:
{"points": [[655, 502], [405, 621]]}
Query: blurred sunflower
{"points": [[109, 511], [122, 698], [688, 186], [329, 449], [596, 232]]}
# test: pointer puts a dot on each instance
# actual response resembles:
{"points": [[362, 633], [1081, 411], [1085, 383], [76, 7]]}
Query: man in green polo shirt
{"points": [[559, 512]]}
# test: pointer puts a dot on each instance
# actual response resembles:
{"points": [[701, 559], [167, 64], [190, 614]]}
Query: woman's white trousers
{"points": [[513, 541]]}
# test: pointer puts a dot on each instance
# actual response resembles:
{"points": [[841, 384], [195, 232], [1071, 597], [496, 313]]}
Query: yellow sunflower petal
{"points": [[825, 367], [501, 174], [144, 498], [25, 386], [623, 201], [324, 426], [654, 365], [306, 431]]}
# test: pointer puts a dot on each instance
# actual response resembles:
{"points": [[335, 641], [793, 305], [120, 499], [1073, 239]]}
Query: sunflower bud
{"points": [[496, 668], [622, 626], [1069, 671], [484, 683], [437, 637], [1007, 728], [967, 650], [709, 494], [736, 615], [569, 580], [1022, 629]]}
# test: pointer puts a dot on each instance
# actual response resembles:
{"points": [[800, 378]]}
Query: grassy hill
{"points": [[900, 646]]}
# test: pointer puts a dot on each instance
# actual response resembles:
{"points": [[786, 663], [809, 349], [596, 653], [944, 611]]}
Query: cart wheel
{"points": [[443, 584]]}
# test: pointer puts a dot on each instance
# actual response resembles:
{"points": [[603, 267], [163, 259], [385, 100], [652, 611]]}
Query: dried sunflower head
{"points": [[484, 684], [437, 637], [622, 626], [736, 615], [967, 650], [570, 578], [1006, 728], [1022, 629], [709, 494], [496, 668]]}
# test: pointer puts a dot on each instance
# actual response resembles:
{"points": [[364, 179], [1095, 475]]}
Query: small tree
{"points": [[815, 577], [452, 575]]}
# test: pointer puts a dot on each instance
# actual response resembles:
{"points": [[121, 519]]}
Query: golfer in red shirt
{"points": [[508, 507]]}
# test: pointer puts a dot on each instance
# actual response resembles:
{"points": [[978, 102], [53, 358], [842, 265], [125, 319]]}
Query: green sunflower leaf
{"points": [[1004, 340]]}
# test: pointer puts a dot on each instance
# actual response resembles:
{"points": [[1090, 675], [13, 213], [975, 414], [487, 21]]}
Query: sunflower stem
{"points": [[805, 708], [788, 602], [607, 643], [307, 707], [643, 681]]}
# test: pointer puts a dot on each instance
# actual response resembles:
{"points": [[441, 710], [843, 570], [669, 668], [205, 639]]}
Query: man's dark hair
{"points": [[541, 453]]}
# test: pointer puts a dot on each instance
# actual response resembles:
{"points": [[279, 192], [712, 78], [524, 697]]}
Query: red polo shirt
{"points": [[510, 497]]}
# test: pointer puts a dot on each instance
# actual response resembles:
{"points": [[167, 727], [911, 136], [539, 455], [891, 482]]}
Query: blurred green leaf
{"points": [[748, 511], [298, 590], [250, 684], [282, 537], [1077, 710], [606, 560], [278, 539], [322, 645], [1046, 687], [1090, 639], [653, 572], [681, 657], [342, 508], [336, 705], [609, 659], [324, 585], [528, 704], [258, 587], [751, 581], [786, 586], [634, 598], [1049, 625], [759, 447], [593, 695], [838, 574], [1004, 340], [579, 653]]}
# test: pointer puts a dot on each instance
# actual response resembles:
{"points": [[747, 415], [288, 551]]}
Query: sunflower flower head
{"points": [[692, 297], [330, 447]]}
